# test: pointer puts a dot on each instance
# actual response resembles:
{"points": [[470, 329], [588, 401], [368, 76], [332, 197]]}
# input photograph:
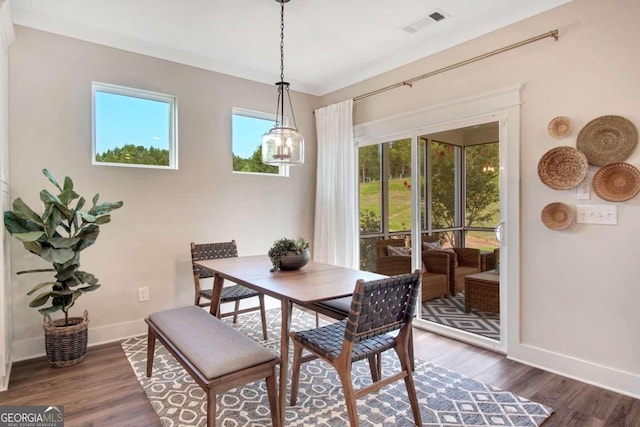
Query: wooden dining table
{"points": [[313, 283]]}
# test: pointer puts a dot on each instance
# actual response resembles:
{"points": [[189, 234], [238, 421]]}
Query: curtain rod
{"points": [[410, 82]]}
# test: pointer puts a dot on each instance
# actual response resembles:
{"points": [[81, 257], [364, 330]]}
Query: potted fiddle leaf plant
{"points": [[58, 235], [289, 254]]}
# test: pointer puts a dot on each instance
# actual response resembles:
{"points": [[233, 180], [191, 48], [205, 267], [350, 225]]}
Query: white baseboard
{"points": [[612, 379], [34, 347]]}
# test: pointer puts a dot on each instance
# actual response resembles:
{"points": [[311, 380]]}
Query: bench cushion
{"points": [[212, 346]]}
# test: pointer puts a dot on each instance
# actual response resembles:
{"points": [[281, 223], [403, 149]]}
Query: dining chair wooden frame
{"points": [[230, 294], [378, 307]]}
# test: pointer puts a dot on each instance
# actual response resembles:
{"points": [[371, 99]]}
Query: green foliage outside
{"points": [[135, 154], [253, 163], [482, 192]]}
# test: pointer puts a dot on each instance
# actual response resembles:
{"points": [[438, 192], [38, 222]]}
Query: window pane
{"points": [[370, 202], [443, 185], [399, 185], [370, 189], [247, 129], [483, 240], [482, 185], [133, 127]]}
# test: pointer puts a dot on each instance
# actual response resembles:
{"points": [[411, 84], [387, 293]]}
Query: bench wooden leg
{"points": [[272, 393], [151, 346], [211, 408]]}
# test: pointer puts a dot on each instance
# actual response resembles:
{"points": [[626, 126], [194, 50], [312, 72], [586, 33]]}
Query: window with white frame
{"points": [[133, 127], [247, 129]]}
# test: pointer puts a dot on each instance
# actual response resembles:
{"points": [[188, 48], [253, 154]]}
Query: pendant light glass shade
{"points": [[283, 145]]}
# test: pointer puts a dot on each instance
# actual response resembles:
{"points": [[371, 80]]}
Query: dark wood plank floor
{"points": [[103, 391]]}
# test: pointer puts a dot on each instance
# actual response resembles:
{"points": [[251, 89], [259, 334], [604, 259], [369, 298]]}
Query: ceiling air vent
{"points": [[431, 18]]}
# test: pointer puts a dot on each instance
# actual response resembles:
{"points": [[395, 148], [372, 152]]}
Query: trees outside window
{"points": [[459, 189]]}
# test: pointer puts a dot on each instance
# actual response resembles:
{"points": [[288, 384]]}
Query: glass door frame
{"points": [[501, 106]]}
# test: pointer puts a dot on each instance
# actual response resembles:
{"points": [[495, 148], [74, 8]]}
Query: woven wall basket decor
{"points": [[560, 127], [557, 216], [562, 168], [608, 139], [616, 182]]}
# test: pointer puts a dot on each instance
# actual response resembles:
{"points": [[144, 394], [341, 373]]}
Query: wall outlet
{"points": [[143, 294]]}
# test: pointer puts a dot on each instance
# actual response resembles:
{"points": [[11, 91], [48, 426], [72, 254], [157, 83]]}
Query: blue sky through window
{"points": [[247, 134], [123, 120]]}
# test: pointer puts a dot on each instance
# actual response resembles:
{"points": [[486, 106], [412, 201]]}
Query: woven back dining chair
{"points": [[378, 307], [234, 293]]}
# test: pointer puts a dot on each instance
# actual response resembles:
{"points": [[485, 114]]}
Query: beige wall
{"points": [[579, 287], [147, 243]]}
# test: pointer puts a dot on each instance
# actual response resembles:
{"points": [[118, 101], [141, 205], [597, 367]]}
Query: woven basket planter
{"points": [[66, 345]]}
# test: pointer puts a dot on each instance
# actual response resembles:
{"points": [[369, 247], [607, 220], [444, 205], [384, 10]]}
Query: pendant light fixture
{"points": [[283, 144]]}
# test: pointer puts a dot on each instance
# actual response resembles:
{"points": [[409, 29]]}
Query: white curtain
{"points": [[336, 221]]}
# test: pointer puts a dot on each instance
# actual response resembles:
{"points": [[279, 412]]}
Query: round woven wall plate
{"points": [[560, 126], [562, 168], [608, 139], [616, 182], [557, 216]]}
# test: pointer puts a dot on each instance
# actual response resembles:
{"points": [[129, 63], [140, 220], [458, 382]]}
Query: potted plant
{"points": [[58, 235], [289, 254]]}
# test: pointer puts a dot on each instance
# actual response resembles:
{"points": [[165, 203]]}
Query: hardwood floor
{"points": [[103, 391]]}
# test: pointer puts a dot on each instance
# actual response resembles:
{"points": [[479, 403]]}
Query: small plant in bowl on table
{"points": [[289, 254]]}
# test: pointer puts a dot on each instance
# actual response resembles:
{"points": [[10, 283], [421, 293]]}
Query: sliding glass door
{"points": [[457, 199]]}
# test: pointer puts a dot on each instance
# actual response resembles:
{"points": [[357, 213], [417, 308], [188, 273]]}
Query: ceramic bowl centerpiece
{"points": [[289, 254]]}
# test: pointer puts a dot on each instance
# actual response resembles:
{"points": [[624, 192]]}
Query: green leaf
{"points": [[68, 184], [51, 178], [84, 277], [40, 299], [53, 221], [63, 242], [80, 204], [87, 217], [104, 219], [62, 293], [67, 196], [39, 270], [34, 247], [57, 256], [95, 199], [50, 310], [67, 272], [74, 297], [31, 236], [40, 286], [104, 208], [25, 212]]}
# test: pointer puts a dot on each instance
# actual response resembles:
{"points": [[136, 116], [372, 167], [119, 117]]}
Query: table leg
{"points": [[218, 283], [284, 355]]}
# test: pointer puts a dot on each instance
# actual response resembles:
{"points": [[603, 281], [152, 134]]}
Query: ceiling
{"points": [[329, 44]]}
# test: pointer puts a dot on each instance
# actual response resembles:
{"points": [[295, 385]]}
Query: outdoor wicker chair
{"points": [[436, 268], [378, 307], [234, 293], [462, 262]]}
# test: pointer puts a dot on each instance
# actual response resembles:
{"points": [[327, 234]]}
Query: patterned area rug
{"points": [[446, 398], [450, 312]]}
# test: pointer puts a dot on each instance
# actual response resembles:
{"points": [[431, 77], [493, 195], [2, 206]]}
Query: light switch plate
{"points": [[597, 214]]}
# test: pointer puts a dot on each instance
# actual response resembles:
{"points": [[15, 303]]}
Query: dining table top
{"points": [[312, 283]]}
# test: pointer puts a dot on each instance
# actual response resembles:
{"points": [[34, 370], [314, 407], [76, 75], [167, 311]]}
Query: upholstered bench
{"points": [[217, 356]]}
